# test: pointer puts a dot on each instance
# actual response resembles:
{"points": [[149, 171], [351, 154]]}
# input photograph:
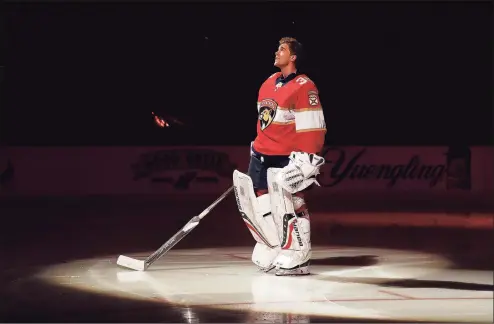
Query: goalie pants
{"points": [[258, 172], [258, 168]]}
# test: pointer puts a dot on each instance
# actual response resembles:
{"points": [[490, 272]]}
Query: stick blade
{"points": [[131, 263]]}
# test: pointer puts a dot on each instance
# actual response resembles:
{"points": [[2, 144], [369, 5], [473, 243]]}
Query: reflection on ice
{"points": [[226, 279]]}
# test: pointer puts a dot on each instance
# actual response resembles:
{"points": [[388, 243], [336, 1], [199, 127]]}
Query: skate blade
{"points": [[265, 270], [294, 272]]}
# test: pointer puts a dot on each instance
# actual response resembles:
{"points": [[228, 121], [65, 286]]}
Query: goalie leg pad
{"points": [[296, 262], [293, 230], [263, 256], [256, 213]]}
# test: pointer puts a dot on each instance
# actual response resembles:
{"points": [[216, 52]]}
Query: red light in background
{"points": [[161, 122]]}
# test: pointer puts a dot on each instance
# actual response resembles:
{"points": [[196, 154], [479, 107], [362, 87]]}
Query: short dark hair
{"points": [[295, 49]]}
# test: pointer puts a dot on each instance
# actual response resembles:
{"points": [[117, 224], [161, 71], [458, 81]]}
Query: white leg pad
{"points": [[296, 262], [256, 213], [293, 231], [263, 256]]}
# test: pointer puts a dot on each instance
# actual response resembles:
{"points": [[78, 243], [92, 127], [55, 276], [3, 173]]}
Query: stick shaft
{"points": [[220, 198], [168, 245]]}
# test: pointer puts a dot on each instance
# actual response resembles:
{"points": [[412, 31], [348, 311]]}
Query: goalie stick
{"points": [[142, 265]]}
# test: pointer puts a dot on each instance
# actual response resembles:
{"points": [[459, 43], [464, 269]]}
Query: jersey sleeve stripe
{"points": [[307, 120], [311, 130]]}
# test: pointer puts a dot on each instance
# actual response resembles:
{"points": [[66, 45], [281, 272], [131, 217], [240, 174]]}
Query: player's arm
{"points": [[309, 117]]}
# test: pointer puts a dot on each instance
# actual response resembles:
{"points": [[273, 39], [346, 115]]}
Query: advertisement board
{"points": [[120, 170], [355, 172], [426, 172]]}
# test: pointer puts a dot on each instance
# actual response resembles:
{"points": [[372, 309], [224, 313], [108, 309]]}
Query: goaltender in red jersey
{"points": [[290, 116], [290, 133]]}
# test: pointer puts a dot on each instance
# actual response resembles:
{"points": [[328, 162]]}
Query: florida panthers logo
{"points": [[267, 111]]}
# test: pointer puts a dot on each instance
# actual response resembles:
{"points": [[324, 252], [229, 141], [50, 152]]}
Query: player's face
{"points": [[282, 56]]}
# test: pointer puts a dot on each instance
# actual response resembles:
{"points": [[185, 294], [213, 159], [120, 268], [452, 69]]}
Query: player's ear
{"points": [[293, 58]]}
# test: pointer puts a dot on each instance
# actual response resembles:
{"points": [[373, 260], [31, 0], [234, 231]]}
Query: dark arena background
{"points": [[120, 121]]}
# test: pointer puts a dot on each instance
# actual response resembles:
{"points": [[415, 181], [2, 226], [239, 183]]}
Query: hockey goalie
{"points": [[284, 162]]}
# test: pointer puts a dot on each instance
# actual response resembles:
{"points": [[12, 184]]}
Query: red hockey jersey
{"points": [[290, 117]]}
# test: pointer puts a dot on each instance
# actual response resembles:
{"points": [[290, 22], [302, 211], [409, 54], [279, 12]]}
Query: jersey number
{"points": [[301, 80]]}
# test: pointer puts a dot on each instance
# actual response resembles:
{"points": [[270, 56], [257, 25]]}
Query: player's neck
{"points": [[287, 70]]}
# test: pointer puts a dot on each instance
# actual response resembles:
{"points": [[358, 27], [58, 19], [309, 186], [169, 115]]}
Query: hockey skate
{"points": [[293, 263], [300, 270]]}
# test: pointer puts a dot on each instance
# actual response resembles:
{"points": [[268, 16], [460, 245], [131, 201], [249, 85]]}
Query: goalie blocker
{"points": [[282, 237]]}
